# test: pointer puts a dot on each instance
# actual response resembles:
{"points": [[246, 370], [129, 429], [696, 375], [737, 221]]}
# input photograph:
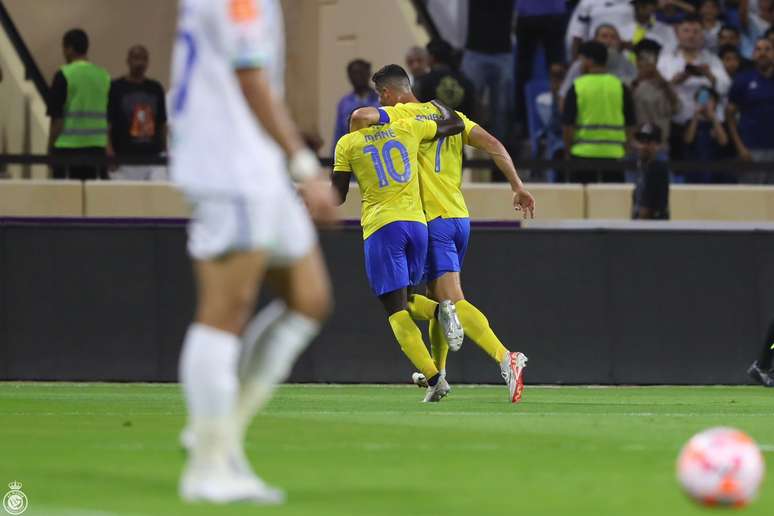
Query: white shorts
{"points": [[279, 225]]}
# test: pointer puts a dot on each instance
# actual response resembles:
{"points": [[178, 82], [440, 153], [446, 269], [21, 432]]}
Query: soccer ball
{"points": [[721, 466]]}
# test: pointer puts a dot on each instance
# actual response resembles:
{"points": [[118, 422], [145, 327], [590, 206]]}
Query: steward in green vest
{"points": [[598, 117], [78, 109]]}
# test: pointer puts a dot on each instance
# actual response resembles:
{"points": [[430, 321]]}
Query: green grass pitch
{"points": [[111, 449]]}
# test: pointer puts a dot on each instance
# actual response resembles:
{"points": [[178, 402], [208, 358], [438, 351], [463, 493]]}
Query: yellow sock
{"points": [[476, 327], [421, 308], [410, 339], [438, 344]]}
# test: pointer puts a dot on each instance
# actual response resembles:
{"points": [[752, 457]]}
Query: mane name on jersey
{"points": [[380, 135], [432, 117]]}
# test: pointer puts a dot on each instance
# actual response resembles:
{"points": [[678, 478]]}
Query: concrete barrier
{"points": [[134, 199], [609, 201], [33, 198], [722, 202]]}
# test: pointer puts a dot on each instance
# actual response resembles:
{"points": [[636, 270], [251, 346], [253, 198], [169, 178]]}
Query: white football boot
{"points": [[450, 323], [512, 370], [217, 473], [438, 391]]}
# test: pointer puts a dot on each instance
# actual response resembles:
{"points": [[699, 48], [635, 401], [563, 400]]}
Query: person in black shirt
{"points": [[488, 61], [651, 193], [138, 119], [445, 82]]}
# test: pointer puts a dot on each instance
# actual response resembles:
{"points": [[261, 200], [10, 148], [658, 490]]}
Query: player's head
{"points": [[137, 61], [75, 44], [391, 84], [359, 71], [593, 54]]}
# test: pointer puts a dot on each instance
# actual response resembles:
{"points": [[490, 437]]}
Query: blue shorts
{"points": [[448, 244], [395, 256]]}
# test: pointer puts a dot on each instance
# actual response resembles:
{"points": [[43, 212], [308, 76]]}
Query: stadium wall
{"points": [[110, 300]]}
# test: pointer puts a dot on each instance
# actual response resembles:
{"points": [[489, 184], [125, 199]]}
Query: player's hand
{"points": [[524, 202], [320, 199]]}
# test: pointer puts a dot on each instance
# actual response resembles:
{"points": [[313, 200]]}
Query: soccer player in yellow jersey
{"points": [[440, 172], [384, 161]]}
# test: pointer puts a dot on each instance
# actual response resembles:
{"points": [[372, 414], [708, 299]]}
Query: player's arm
{"points": [[366, 117], [342, 170], [450, 124], [303, 165], [522, 199]]}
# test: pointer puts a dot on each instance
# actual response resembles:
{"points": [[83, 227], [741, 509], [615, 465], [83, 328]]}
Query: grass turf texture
{"points": [[99, 449]]}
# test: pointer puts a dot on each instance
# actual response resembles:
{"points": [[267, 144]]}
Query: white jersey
{"points": [[218, 146]]}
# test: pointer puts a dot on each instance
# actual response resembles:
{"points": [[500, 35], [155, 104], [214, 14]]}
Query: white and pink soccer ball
{"points": [[721, 466]]}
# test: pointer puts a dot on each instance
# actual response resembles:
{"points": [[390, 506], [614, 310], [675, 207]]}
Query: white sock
{"points": [[280, 345], [253, 338], [208, 372]]}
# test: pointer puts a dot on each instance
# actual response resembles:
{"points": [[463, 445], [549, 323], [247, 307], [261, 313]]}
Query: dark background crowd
{"points": [[598, 80]]}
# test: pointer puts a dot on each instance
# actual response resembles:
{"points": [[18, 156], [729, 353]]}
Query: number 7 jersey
{"points": [[440, 163], [383, 159]]}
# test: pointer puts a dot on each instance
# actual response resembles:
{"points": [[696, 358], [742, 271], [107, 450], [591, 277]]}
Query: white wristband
{"points": [[304, 165]]}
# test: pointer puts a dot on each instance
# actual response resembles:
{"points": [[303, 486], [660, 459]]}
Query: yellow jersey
{"points": [[440, 163], [383, 159]]}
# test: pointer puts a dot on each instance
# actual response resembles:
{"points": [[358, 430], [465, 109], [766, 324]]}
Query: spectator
{"points": [[539, 23], [488, 62], [757, 23], [359, 74], [752, 99], [709, 13], [77, 106], [445, 82], [732, 60], [617, 63], [137, 116], [547, 105], [590, 14], [646, 26], [655, 100], [651, 192], [705, 136], [730, 35], [689, 68], [598, 117], [417, 63]]}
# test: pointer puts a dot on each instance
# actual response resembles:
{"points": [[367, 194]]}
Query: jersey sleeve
{"points": [[469, 125], [244, 33], [341, 156]]}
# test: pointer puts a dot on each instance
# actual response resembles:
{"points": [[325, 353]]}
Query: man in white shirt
{"points": [[690, 68], [232, 134], [590, 14], [646, 26]]}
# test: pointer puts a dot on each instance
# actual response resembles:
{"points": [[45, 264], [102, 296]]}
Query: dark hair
{"points": [[647, 46], [357, 62], [768, 32], [391, 74], [77, 40], [731, 28], [691, 18], [595, 51], [729, 49], [441, 51]]}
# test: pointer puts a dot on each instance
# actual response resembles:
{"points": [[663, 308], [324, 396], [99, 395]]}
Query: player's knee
{"points": [[226, 312], [315, 302]]}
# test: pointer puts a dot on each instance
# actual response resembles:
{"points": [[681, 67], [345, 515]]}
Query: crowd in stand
{"points": [[581, 79]]}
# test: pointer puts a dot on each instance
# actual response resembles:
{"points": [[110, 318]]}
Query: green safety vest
{"points": [[599, 131], [85, 110]]}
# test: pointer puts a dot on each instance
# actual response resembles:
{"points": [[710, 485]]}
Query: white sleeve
{"points": [[243, 33], [722, 80], [665, 66], [580, 22]]}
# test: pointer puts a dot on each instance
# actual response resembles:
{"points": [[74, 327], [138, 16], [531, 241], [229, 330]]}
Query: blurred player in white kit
{"points": [[233, 146]]}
